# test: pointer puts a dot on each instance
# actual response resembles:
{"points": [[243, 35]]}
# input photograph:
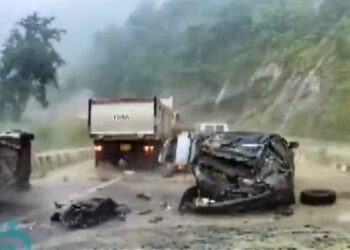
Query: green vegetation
{"points": [[61, 135], [192, 47], [28, 65], [197, 41], [55, 135]]}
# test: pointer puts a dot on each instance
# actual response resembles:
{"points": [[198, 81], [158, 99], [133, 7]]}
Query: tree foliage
{"points": [[29, 64], [204, 43], [333, 10]]}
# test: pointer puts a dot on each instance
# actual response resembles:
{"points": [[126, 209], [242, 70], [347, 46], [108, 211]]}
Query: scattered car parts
{"points": [[318, 197], [89, 213], [241, 171]]}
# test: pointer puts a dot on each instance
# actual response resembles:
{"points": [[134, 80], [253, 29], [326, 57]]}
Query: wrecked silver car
{"points": [[240, 171]]}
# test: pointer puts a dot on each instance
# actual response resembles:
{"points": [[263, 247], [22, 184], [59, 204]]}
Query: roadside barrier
{"points": [[60, 158]]}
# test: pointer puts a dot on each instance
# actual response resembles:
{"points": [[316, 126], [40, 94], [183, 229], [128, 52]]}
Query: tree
{"points": [[29, 64]]}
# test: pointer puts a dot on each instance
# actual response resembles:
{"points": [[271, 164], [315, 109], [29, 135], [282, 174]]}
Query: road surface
{"points": [[309, 227]]}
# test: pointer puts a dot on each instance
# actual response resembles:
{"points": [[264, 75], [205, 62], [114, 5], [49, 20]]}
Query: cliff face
{"points": [[304, 94]]}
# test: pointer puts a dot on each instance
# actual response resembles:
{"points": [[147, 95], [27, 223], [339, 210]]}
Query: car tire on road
{"points": [[318, 197]]}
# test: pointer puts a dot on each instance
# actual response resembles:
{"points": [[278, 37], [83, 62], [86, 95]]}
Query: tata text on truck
{"points": [[130, 130]]}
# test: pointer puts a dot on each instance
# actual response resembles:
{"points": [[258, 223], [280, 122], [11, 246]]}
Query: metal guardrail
{"points": [[335, 155]]}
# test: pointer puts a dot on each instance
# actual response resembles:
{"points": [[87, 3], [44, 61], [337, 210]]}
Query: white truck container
{"points": [[130, 130]]}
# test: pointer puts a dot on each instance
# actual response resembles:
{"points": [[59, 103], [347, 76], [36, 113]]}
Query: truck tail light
{"points": [[98, 148], [148, 149]]}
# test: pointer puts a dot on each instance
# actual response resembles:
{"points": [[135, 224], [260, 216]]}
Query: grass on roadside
{"points": [[54, 135]]}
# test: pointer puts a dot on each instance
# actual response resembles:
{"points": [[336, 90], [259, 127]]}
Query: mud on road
{"points": [[155, 223]]}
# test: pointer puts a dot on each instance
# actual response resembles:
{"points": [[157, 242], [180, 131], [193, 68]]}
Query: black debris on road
{"points": [[144, 196], [58, 205], [84, 214], [145, 212], [156, 220]]}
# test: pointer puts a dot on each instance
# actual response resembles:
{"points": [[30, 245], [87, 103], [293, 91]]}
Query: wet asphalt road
{"points": [[308, 228]]}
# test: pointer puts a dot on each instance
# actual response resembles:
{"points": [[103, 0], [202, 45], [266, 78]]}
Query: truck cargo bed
{"points": [[129, 118]]}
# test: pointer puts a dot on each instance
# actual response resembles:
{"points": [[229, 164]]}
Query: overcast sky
{"points": [[81, 18]]}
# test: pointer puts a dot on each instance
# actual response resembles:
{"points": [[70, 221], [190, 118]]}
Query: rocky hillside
{"points": [[273, 65]]}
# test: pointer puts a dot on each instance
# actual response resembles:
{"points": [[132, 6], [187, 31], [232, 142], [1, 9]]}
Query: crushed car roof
{"points": [[237, 144]]}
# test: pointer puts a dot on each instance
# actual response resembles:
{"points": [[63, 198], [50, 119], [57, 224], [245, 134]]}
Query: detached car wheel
{"points": [[318, 197]]}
